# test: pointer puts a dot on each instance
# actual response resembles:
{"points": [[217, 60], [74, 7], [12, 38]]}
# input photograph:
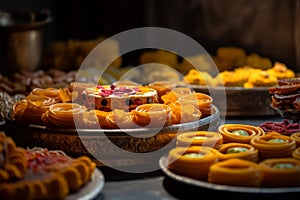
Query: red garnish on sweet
{"points": [[41, 158]]}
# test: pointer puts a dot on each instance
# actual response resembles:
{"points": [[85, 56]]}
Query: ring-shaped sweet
{"points": [[63, 115], [199, 138], [280, 172], [154, 115], [296, 153], [48, 92], [193, 162], [202, 100], [235, 172], [184, 112], [232, 132], [120, 119], [273, 145], [30, 109], [238, 150], [296, 137]]}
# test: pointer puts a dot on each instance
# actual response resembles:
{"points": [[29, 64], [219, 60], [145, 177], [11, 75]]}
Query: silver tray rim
{"points": [[172, 128], [218, 187], [92, 189]]}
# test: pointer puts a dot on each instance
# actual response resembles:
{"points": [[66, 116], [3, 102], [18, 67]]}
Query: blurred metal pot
{"points": [[21, 40]]}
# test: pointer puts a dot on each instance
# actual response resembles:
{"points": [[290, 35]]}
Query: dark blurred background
{"points": [[270, 27]]}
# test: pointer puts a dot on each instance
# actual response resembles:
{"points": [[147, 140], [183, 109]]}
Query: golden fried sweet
{"points": [[242, 133], [13, 164], [261, 79], [296, 153], [193, 161], [273, 145], [238, 150], [199, 138], [195, 77], [31, 109], [281, 172], [152, 115], [175, 94], [296, 137], [236, 172], [201, 100], [184, 112], [120, 119], [63, 115], [281, 71]]}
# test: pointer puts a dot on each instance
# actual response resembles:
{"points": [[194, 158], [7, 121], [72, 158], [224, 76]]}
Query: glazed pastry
{"points": [[50, 175], [31, 109], [239, 132], [296, 137], [120, 119], [273, 145], [13, 164], [281, 71], [195, 77], [235, 172], [184, 112], [201, 100], [281, 172], [152, 115], [229, 79], [63, 115], [193, 162], [48, 92], [261, 79], [296, 153], [102, 115], [175, 94], [238, 150], [162, 88], [199, 138]]}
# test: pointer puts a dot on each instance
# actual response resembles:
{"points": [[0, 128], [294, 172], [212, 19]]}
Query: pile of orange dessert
{"points": [[120, 105], [238, 155], [40, 173]]}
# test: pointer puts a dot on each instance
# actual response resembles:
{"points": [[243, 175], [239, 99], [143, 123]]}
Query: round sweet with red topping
{"points": [[110, 97]]}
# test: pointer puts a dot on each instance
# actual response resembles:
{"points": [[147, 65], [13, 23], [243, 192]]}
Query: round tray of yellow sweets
{"points": [[214, 189]]}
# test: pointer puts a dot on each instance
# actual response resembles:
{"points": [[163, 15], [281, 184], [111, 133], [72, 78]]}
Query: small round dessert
{"points": [[296, 153], [273, 145], [120, 119], [193, 162], [280, 172], [236, 172], [296, 137], [30, 109], [152, 115], [162, 88], [201, 100], [110, 97], [63, 115], [199, 138], [238, 150], [241, 133]]}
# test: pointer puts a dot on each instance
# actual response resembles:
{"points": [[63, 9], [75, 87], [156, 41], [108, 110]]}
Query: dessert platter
{"points": [[238, 158], [39, 173], [85, 119], [246, 88]]}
